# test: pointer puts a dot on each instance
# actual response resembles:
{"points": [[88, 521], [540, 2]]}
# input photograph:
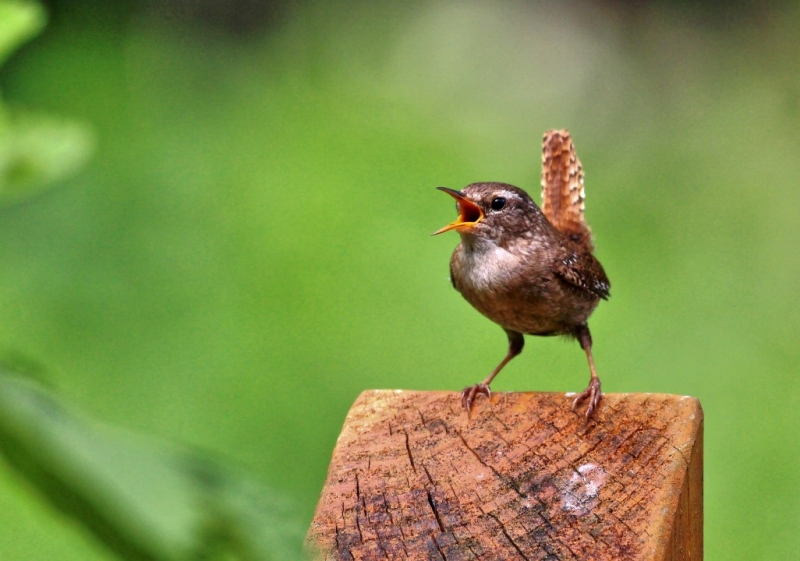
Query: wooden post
{"points": [[412, 477]]}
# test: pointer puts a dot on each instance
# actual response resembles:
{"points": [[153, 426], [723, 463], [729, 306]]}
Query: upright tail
{"points": [[562, 187]]}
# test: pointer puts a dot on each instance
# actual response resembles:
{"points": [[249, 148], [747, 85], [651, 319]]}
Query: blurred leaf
{"points": [[143, 498], [36, 150], [19, 21]]}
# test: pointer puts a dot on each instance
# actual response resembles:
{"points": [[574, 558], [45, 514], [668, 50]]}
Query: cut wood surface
{"points": [[524, 477]]}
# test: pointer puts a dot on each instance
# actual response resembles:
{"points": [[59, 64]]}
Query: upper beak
{"points": [[469, 213]]}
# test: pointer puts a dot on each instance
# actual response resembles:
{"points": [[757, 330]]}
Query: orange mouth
{"points": [[469, 213]]}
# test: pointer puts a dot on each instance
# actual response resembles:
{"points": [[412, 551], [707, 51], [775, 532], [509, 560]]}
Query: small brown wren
{"points": [[529, 270]]}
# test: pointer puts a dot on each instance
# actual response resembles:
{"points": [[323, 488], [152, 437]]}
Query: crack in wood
{"points": [[435, 511], [428, 474], [358, 508], [408, 451], [508, 471], [508, 537], [438, 548], [504, 479], [421, 416]]}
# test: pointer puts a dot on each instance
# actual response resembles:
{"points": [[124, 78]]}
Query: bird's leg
{"points": [[592, 392], [515, 343]]}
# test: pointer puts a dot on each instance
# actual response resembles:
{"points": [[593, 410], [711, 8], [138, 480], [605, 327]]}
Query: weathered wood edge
{"points": [[686, 534], [680, 538]]}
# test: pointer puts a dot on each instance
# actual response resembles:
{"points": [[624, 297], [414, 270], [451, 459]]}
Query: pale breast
{"points": [[488, 270], [516, 292]]}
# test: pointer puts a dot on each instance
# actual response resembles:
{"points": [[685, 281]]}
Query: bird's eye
{"points": [[498, 203]]}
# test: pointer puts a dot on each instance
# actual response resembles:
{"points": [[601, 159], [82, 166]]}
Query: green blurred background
{"points": [[249, 248]]}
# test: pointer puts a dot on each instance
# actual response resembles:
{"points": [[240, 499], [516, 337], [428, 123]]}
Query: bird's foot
{"points": [[469, 394], [592, 393]]}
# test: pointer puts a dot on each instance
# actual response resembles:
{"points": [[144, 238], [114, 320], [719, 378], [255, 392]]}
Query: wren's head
{"points": [[495, 212]]}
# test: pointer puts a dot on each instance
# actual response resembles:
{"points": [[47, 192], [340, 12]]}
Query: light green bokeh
{"points": [[250, 247]]}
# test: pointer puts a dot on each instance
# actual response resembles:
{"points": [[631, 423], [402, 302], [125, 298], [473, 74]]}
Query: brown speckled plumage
{"points": [[531, 271]]}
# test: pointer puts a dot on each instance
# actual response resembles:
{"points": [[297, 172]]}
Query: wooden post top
{"points": [[524, 477]]}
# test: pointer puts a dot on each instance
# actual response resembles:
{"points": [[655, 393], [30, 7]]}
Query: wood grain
{"points": [[412, 477]]}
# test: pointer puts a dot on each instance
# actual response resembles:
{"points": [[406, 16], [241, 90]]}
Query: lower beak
{"points": [[469, 213]]}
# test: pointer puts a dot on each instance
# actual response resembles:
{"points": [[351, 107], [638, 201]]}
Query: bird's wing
{"points": [[562, 187], [585, 272]]}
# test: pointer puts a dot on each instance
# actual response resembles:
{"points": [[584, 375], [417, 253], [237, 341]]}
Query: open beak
{"points": [[469, 213]]}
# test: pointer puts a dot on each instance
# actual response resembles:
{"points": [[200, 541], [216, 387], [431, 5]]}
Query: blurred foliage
{"points": [[143, 499], [249, 248], [35, 150], [19, 21]]}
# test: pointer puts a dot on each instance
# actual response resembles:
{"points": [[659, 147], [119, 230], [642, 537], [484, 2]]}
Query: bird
{"points": [[530, 270]]}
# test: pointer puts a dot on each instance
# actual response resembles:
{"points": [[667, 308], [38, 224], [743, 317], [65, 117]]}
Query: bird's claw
{"points": [[593, 394], [469, 394]]}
